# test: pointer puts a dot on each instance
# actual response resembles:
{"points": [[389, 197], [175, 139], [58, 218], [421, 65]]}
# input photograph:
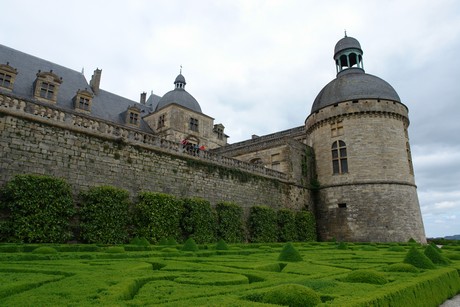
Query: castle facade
{"points": [[350, 164]]}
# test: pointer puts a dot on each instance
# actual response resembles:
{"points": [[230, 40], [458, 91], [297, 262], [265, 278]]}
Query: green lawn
{"points": [[241, 276]]}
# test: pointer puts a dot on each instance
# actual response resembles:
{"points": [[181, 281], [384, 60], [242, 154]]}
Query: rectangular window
{"points": [[47, 90], [342, 205], [193, 124], [5, 80], [83, 104], [220, 134], [161, 121], [337, 129], [133, 118]]}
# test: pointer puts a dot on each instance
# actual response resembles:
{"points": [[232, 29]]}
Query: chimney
{"points": [[96, 80], [143, 98]]}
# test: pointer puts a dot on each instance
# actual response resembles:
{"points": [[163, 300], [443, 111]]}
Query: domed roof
{"points": [[354, 84], [180, 79], [179, 96], [346, 43]]}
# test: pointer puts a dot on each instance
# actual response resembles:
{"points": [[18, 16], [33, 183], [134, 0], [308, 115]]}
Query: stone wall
{"points": [[46, 143], [378, 212], [376, 198]]}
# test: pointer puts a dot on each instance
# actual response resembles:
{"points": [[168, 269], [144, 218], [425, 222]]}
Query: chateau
{"points": [[350, 164]]}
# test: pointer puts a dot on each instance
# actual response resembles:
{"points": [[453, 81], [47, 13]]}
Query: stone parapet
{"points": [[66, 119]]}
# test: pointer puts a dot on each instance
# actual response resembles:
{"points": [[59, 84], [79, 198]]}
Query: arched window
{"points": [[339, 158]]}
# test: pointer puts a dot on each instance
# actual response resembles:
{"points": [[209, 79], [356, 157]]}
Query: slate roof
{"points": [[354, 84], [106, 105], [347, 42], [181, 97]]}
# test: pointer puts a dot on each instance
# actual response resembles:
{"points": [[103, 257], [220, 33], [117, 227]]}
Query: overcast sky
{"points": [[257, 66]]}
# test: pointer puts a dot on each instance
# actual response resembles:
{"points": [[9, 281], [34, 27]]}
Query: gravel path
{"points": [[453, 302]]}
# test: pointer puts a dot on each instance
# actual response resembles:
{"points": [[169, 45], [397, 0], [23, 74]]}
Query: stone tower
{"points": [[358, 130]]}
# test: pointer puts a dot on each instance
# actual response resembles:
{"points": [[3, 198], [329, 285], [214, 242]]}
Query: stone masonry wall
{"points": [[88, 159]]}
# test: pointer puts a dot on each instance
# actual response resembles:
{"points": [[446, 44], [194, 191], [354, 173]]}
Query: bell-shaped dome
{"points": [[347, 43], [352, 83], [179, 96]]}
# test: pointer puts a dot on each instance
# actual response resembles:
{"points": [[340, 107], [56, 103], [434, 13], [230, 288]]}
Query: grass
{"points": [[242, 275]]}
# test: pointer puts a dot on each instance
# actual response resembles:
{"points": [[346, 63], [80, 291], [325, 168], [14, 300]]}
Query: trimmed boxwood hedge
{"points": [[158, 216], [306, 226], [262, 224], [230, 222], [198, 220], [39, 209], [287, 231], [105, 215]]}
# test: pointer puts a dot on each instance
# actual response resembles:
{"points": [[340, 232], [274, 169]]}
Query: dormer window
{"points": [[47, 86], [219, 130], [7, 76], [83, 101], [133, 116]]}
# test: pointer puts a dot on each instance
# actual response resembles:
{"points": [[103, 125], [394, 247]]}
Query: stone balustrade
{"points": [[69, 119]]}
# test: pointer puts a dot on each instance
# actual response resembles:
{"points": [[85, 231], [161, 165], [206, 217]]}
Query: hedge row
{"points": [[39, 209]]}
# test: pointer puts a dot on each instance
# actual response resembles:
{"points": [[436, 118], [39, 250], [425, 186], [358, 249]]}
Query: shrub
{"points": [[115, 250], [435, 256], [369, 248], [171, 241], [417, 259], [287, 231], [306, 226], [230, 222], [190, 245], [163, 241], [221, 245], [158, 216], [262, 224], [397, 248], [289, 253], [198, 220], [366, 276], [105, 215], [39, 209], [291, 295], [342, 245], [45, 250], [402, 267], [140, 241]]}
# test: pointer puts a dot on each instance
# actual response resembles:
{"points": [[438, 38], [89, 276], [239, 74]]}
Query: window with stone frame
{"points": [[133, 116], [339, 157], [337, 128], [193, 124], [161, 121], [83, 101], [7, 76], [46, 86]]}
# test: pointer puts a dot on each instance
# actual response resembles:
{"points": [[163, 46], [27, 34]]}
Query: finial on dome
{"points": [[180, 71], [345, 32]]}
